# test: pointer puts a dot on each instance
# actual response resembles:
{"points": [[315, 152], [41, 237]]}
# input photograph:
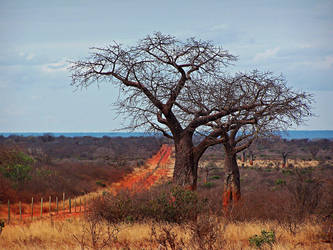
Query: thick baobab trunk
{"points": [[231, 192], [185, 172]]}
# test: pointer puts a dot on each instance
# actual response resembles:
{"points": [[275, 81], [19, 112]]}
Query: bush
{"points": [[171, 205], [280, 182], [306, 192], [208, 185], [16, 166], [266, 237], [176, 206], [287, 172], [100, 183]]}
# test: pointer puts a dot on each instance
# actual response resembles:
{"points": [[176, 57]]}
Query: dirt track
{"points": [[158, 168]]}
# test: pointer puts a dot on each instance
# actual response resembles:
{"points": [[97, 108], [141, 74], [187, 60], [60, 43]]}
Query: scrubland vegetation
{"points": [[280, 208], [295, 213], [48, 166]]}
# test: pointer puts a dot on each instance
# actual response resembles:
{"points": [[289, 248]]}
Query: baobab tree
{"points": [[272, 106], [168, 86], [152, 76], [284, 158]]}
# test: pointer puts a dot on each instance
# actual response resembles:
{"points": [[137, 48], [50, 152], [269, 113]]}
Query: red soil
{"points": [[157, 167]]}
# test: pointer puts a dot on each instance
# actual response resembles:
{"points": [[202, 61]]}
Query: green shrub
{"points": [[287, 172], [17, 166], [266, 237], [215, 177], [171, 205], [280, 182], [100, 183], [208, 185], [177, 206], [309, 180]]}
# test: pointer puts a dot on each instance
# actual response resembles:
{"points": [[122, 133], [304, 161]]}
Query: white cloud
{"points": [[36, 97], [219, 27], [323, 63], [60, 66], [304, 46], [30, 56], [27, 56], [266, 54]]}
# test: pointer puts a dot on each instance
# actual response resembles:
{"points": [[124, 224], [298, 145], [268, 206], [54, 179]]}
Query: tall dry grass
{"points": [[75, 234]]}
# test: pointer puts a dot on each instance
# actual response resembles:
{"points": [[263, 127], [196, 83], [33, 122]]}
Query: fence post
{"points": [[20, 205], [41, 207], [70, 205], [32, 208], [50, 205], [85, 206], [74, 205], [8, 211], [57, 203], [63, 201]]}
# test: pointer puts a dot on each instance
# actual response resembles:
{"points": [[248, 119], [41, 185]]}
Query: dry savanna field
{"points": [[280, 208]]}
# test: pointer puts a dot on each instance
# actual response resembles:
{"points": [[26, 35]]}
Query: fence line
{"points": [[23, 215]]}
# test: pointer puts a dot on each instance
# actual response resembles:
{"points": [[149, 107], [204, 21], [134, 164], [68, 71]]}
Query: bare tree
{"points": [[179, 88], [284, 158], [152, 76], [270, 106]]}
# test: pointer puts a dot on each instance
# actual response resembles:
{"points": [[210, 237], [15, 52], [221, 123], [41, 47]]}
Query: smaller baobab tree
{"points": [[270, 106]]}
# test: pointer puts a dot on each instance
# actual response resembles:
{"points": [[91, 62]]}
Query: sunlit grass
{"points": [[48, 234]]}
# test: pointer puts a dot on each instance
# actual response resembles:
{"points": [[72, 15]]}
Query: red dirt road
{"points": [[158, 167]]}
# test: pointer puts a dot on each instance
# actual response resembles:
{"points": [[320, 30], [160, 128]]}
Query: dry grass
{"points": [[278, 163], [47, 234]]}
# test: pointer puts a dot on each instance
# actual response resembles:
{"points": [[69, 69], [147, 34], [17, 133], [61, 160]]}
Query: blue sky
{"points": [[38, 38]]}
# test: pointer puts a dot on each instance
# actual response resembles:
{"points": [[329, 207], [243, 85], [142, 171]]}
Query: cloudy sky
{"points": [[37, 39]]}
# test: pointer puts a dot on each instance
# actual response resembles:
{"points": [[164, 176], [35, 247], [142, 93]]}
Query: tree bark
{"points": [[185, 171], [231, 192]]}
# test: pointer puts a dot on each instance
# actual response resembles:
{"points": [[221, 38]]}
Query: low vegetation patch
{"points": [[171, 204], [266, 237]]}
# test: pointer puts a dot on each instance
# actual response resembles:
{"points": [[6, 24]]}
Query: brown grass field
{"points": [[47, 234], [294, 204]]}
